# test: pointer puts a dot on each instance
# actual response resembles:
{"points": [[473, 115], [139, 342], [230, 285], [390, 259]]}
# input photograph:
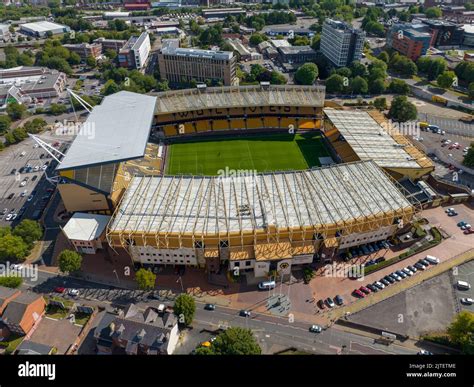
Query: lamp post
{"points": [[116, 275]]}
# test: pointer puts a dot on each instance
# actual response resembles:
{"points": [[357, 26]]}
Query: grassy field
{"points": [[271, 152]]}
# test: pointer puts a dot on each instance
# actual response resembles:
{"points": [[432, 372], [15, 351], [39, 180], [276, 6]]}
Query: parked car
{"points": [[73, 292], [330, 302], [412, 269], [321, 304], [380, 259], [395, 276], [358, 293], [339, 300], [468, 231], [432, 260], [384, 281], [407, 271], [424, 262], [11, 195], [59, 289], [209, 307], [365, 290], [466, 226], [467, 301], [372, 288], [315, 329], [424, 352], [244, 313], [379, 285], [401, 274], [419, 266], [389, 279], [461, 223]]}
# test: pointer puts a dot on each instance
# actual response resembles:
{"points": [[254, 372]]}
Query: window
{"points": [[248, 263]]}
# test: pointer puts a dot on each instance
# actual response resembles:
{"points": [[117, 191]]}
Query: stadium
{"points": [[256, 177]]}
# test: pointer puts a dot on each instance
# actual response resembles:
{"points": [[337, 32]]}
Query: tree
{"points": [[234, 341], [383, 56], [12, 248], [110, 87], [145, 279], [433, 12], [184, 308], [431, 67], [461, 331], [402, 110], [465, 71], [56, 109], [335, 84], [377, 86], [29, 230], [16, 111], [380, 103], [359, 85], [358, 68], [277, 78], [471, 90], [69, 261], [469, 158], [12, 281], [5, 122], [90, 61], [306, 74], [316, 42], [257, 38], [446, 79], [398, 86]]}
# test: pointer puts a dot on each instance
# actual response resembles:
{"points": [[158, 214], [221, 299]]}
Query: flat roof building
{"points": [[296, 54], [41, 29], [134, 54], [408, 41], [182, 65], [340, 43], [86, 232], [84, 50]]}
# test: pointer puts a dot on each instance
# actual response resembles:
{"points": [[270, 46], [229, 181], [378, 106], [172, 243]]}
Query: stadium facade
{"points": [[263, 222]]}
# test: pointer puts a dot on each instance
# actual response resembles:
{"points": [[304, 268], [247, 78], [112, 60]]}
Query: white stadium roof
{"points": [[214, 205], [116, 130], [369, 140]]}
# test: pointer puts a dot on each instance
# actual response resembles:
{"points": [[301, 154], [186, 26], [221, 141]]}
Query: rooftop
{"points": [[85, 227], [44, 26], [197, 53], [239, 96], [369, 140], [339, 194], [116, 130]]}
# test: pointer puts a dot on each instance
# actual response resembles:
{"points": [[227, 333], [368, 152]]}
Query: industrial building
{"points": [[42, 29], [340, 43], [182, 65]]}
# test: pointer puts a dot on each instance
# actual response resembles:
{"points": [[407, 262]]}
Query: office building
{"points": [[296, 54], [340, 43], [135, 52], [4, 32], [409, 40], [110, 44], [84, 50], [182, 65]]}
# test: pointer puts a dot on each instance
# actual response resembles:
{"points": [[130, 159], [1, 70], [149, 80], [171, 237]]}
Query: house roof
{"points": [[15, 310], [6, 293], [28, 347]]}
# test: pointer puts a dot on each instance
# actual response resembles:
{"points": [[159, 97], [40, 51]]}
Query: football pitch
{"points": [[262, 153]]}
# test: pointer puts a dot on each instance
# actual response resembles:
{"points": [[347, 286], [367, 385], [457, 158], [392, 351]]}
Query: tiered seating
{"points": [[271, 122], [254, 123], [237, 124], [170, 130], [220, 125], [203, 126]]}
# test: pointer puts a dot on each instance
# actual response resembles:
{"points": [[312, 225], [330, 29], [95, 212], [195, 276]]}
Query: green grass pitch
{"points": [[263, 153]]}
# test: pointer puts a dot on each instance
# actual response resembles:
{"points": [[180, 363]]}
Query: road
{"points": [[272, 332]]}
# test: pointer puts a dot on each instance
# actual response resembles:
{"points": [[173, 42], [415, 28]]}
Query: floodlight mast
{"points": [[79, 99], [48, 148]]}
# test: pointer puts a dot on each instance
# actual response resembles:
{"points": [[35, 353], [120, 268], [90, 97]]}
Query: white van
{"points": [[22, 154], [432, 260], [266, 285], [461, 285]]}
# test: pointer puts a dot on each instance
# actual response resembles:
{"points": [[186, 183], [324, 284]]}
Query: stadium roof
{"points": [[116, 130], [212, 205], [239, 96], [369, 140]]}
